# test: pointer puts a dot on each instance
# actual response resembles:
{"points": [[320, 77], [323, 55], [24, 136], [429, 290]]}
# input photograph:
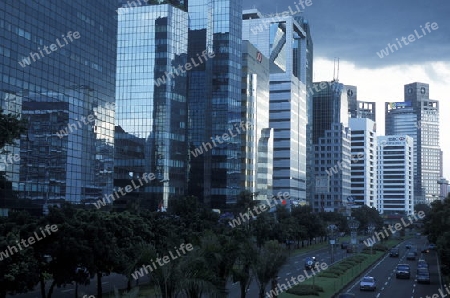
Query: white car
{"points": [[368, 283]]}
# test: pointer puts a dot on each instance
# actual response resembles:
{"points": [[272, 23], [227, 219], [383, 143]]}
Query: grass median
{"points": [[331, 281]]}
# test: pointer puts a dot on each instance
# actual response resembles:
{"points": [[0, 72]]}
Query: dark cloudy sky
{"points": [[355, 30]]}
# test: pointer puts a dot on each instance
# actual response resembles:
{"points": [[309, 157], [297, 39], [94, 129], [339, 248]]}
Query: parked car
{"points": [[368, 283], [410, 256], [394, 252], [422, 264], [403, 271], [311, 263], [344, 245], [423, 276]]}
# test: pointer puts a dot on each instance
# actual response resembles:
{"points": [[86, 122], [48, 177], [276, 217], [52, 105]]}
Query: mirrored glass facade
{"points": [[418, 117], [151, 102], [331, 139], [257, 141], [214, 92], [58, 71]]}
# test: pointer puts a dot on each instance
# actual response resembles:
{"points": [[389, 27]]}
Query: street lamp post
{"points": [[331, 229], [370, 229], [353, 224]]}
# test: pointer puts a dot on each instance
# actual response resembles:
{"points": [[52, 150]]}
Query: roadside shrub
{"points": [[304, 290]]}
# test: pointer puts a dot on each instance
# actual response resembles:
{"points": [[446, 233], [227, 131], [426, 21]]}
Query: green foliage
{"points": [[366, 215], [270, 259], [437, 227], [11, 127], [305, 290]]}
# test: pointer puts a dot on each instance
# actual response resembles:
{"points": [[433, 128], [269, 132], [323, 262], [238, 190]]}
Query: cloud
{"points": [[355, 30]]}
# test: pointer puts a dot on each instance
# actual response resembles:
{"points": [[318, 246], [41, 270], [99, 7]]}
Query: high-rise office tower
{"points": [[151, 101], [357, 108], [364, 161], [331, 139], [286, 41], [367, 109], [257, 140], [352, 97], [395, 174], [214, 93], [58, 70], [418, 117]]}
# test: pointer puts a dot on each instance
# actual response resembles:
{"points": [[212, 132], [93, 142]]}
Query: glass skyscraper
{"points": [[58, 71], [418, 117], [331, 139], [214, 92], [257, 140], [151, 102]]}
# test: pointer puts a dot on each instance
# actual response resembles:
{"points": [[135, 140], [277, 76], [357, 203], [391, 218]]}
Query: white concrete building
{"points": [[395, 174], [363, 170]]}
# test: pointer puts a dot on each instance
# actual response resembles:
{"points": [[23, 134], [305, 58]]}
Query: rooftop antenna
{"points": [[336, 73], [334, 69]]}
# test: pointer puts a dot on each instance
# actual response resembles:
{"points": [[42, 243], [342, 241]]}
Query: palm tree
{"points": [[241, 271], [269, 262]]}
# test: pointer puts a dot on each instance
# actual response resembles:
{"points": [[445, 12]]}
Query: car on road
{"points": [[423, 276], [422, 264], [311, 263], [394, 252], [432, 246], [408, 245], [368, 283], [411, 256], [403, 271], [425, 250]]}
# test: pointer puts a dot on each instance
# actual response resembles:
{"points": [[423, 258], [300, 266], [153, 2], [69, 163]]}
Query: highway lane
{"points": [[294, 267], [389, 286]]}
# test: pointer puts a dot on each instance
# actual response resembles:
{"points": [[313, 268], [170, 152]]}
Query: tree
{"points": [[19, 270], [437, 227], [422, 207], [269, 261], [11, 127], [315, 226], [366, 215]]}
